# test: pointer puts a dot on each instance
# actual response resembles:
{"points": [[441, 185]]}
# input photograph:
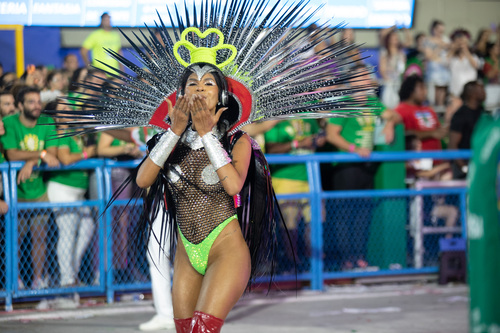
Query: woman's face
{"points": [[495, 50], [485, 35], [438, 30], [206, 87], [63, 107], [57, 82], [394, 39]]}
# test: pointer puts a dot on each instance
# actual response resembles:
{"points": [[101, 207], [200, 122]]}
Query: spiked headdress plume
{"points": [[271, 66]]}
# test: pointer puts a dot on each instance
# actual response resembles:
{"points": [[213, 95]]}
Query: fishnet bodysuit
{"points": [[200, 200]]}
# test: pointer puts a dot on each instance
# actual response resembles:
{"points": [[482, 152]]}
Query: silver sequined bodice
{"points": [[200, 199]]}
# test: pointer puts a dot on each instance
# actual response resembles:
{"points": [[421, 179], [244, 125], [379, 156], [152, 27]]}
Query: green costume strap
{"points": [[198, 253]]}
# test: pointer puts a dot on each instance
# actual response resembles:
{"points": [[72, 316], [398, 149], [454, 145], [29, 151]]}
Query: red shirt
{"points": [[420, 118]]}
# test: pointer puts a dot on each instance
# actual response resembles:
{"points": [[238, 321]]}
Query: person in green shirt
{"points": [[26, 139], [4, 208], [104, 37], [75, 90], [355, 135], [75, 226], [109, 147], [296, 137]]}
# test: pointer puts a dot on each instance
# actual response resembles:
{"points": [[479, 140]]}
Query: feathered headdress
{"points": [[272, 67]]}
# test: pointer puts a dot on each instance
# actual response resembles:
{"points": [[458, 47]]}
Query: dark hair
{"points": [[434, 24], [91, 73], [51, 106], [479, 35], [5, 92], [410, 142], [37, 68], [408, 86], [418, 36], [311, 28], [51, 75], [468, 90], [387, 38], [23, 91], [68, 55], [2, 78], [74, 79], [489, 47], [230, 116], [459, 33]]}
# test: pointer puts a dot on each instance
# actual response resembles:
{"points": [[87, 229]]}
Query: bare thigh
{"points": [[227, 273], [186, 284]]}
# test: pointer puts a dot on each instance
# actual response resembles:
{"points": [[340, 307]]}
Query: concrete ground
{"points": [[410, 308]]}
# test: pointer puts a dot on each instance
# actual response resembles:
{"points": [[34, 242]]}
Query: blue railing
{"points": [[316, 196]]}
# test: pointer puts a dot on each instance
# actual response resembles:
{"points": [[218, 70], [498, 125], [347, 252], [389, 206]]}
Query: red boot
{"points": [[183, 325], [205, 323]]}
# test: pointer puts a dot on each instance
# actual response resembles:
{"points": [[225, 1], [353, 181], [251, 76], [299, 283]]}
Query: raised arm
{"points": [[232, 172], [333, 136], [179, 116], [233, 175]]}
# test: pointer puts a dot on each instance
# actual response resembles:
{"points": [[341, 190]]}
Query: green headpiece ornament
{"points": [[203, 54]]}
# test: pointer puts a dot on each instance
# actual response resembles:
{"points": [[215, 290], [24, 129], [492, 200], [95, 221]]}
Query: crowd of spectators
{"points": [[436, 86], [29, 137]]}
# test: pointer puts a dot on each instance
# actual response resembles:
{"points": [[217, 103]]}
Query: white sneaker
{"points": [[158, 323]]}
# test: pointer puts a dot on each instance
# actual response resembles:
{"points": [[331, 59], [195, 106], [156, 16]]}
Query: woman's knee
{"points": [[225, 281], [186, 285]]}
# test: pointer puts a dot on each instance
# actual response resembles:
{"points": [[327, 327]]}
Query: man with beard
{"points": [[26, 139], [7, 106]]}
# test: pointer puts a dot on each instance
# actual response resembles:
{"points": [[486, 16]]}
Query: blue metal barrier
{"points": [[109, 282]]}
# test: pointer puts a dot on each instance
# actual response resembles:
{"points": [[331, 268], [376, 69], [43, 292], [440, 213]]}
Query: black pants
{"points": [[352, 216]]}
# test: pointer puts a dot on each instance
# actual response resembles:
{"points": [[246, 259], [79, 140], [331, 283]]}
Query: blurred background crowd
{"points": [[435, 84]]}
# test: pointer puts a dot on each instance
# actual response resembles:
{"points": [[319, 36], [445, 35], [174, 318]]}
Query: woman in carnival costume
{"points": [[237, 63]]}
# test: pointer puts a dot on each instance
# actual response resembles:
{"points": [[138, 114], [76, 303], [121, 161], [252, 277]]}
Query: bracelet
{"points": [[161, 151], [43, 153], [217, 155], [295, 144], [85, 155], [352, 148]]}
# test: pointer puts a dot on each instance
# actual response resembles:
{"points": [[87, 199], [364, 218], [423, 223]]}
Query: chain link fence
{"points": [[3, 255], [57, 247], [129, 249], [73, 247]]}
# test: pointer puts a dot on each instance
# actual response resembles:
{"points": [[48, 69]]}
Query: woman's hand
{"points": [[90, 150], [4, 208], [203, 119], [50, 160], [179, 115], [133, 150]]}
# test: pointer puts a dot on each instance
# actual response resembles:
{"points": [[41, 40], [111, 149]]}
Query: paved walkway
{"points": [[377, 309]]}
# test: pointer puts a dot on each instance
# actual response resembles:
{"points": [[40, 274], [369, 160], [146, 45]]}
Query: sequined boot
{"points": [[183, 325], [205, 323]]}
